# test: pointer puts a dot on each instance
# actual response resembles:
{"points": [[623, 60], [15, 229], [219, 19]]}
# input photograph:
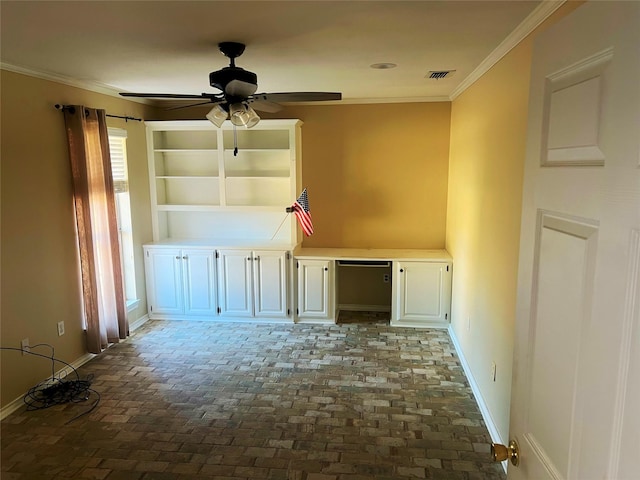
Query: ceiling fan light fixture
{"points": [[217, 115], [243, 115]]}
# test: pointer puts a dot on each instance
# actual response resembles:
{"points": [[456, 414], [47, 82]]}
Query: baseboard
{"points": [[418, 324], [317, 321], [136, 324], [484, 410], [63, 372]]}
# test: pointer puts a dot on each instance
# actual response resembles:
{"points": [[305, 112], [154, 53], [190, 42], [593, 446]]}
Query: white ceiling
{"points": [[171, 46]]}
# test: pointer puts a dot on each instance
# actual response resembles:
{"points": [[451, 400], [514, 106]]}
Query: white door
{"points": [[419, 292], [164, 281], [313, 288], [198, 267], [270, 283], [235, 294], [576, 398]]}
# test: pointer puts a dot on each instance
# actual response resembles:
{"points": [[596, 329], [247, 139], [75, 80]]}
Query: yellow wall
{"points": [[40, 285], [363, 287], [488, 136], [376, 174]]}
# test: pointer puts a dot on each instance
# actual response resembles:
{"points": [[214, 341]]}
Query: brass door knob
{"points": [[500, 453]]}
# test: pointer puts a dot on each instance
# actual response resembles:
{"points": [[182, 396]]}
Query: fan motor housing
{"points": [[234, 81]]}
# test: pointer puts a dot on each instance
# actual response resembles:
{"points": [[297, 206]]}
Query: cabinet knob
{"points": [[326, 269], [185, 257], [248, 258], [401, 270], [256, 258], [178, 257]]}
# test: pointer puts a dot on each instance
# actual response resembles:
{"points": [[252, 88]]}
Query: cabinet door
{"points": [[235, 293], [313, 288], [421, 291], [198, 267], [270, 283], [164, 281]]}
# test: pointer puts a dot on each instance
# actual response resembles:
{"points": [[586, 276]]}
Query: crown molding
{"points": [[535, 18], [72, 82]]}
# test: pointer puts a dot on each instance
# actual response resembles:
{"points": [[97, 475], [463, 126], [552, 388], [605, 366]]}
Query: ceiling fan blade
{"points": [[208, 102], [162, 95], [265, 106], [298, 96]]}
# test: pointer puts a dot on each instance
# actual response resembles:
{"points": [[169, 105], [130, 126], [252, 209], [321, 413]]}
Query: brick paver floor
{"points": [[197, 400]]}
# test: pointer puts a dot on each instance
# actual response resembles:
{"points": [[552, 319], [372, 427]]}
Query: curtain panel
{"points": [[101, 271]]}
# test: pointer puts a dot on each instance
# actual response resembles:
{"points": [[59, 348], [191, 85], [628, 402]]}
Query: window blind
{"points": [[117, 148]]}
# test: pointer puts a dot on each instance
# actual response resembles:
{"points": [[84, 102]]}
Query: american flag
{"points": [[301, 209]]}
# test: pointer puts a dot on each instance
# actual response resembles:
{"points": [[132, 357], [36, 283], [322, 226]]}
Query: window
{"points": [[118, 149]]}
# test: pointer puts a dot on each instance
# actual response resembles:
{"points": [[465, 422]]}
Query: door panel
{"points": [[561, 305], [164, 281], [199, 282], [420, 288], [581, 205], [235, 283], [270, 283], [313, 288], [421, 293]]}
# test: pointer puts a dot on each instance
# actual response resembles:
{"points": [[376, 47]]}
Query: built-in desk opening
{"points": [[363, 290]]}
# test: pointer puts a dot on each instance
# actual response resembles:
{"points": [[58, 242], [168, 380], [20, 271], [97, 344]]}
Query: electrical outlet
{"points": [[493, 371], [385, 278], [24, 345], [60, 329]]}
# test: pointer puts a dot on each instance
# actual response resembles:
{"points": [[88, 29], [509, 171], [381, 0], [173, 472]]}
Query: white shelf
{"points": [[186, 150], [228, 151], [218, 208], [188, 177], [264, 175]]}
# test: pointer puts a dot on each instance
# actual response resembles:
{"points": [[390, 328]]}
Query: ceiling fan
{"points": [[238, 98]]}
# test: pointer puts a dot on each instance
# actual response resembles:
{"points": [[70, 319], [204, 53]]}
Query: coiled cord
{"points": [[58, 389]]}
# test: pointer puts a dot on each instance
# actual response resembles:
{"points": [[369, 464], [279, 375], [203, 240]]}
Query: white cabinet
{"points": [[201, 190], [180, 282], [315, 285], [253, 283], [421, 293]]}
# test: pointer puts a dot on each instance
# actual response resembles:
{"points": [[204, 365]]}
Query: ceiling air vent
{"points": [[438, 74]]}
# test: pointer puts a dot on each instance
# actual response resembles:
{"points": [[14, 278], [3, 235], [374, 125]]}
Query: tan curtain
{"points": [[97, 227]]}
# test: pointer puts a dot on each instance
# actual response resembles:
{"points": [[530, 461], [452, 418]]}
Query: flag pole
{"points": [[288, 210]]}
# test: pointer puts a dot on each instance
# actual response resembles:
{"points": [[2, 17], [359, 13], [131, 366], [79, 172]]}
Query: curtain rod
{"points": [[126, 118]]}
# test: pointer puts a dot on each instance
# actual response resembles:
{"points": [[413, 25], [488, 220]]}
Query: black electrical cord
{"points": [[57, 390]]}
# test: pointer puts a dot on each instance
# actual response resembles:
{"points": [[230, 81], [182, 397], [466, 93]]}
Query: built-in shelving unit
{"points": [[200, 190]]}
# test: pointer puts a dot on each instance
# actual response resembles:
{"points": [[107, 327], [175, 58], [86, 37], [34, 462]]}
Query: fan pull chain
{"points": [[235, 142]]}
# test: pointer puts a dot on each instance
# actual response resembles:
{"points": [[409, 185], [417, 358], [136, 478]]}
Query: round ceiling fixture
{"points": [[383, 66]]}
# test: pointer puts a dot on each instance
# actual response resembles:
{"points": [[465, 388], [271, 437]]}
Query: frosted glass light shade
{"points": [[253, 118], [243, 115], [217, 115], [238, 114]]}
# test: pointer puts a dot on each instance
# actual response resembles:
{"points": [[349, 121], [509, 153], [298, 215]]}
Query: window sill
{"points": [[132, 304]]}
